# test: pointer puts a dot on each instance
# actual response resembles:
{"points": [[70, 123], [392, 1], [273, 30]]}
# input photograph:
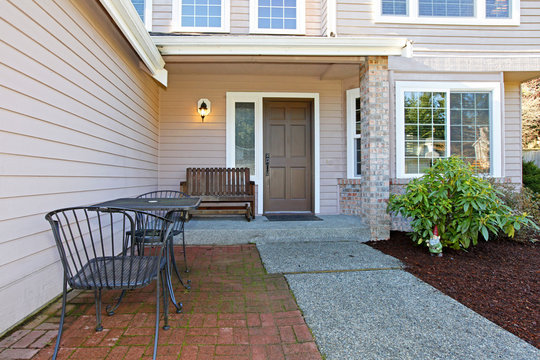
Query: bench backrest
{"points": [[218, 181]]}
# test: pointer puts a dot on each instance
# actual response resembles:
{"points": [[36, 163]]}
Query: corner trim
{"points": [[128, 21]]}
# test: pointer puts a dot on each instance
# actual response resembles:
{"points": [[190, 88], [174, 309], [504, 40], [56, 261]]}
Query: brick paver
{"points": [[235, 310]]}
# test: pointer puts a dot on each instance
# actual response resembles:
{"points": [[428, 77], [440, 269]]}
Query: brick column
{"points": [[375, 183]]}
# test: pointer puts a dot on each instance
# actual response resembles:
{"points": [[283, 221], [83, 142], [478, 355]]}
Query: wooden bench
{"points": [[222, 190]]}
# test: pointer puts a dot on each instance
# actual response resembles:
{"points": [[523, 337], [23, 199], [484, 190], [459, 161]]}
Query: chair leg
{"points": [[168, 283], [62, 316], [157, 318], [173, 260], [97, 299], [110, 309], [165, 303]]}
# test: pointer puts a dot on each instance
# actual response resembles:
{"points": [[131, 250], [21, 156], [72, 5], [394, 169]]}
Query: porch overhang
{"points": [[128, 21], [281, 46]]}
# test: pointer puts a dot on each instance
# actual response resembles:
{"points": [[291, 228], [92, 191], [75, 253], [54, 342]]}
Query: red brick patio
{"points": [[235, 310]]}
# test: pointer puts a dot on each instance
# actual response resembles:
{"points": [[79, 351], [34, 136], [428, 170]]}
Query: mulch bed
{"points": [[497, 279]]}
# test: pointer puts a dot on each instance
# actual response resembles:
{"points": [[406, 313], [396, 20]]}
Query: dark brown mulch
{"points": [[497, 279]]}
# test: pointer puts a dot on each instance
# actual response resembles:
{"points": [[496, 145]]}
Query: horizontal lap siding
{"points": [[354, 18], [512, 127], [78, 125], [187, 142], [239, 16]]}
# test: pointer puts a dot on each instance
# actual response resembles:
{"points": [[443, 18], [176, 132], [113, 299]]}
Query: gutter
{"points": [[282, 45], [128, 21]]}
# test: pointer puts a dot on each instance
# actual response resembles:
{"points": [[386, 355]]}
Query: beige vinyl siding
{"points": [[187, 142], [512, 132], [239, 16], [354, 18], [78, 125]]}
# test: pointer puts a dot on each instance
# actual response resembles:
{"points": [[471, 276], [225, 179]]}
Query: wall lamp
{"points": [[203, 107]]}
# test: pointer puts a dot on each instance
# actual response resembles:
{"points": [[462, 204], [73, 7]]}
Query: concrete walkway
{"points": [[361, 305]]}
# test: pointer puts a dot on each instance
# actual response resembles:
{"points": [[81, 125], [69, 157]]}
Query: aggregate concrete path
{"points": [[384, 313], [323, 256]]}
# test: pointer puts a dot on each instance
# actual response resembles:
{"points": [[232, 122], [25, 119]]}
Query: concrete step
{"points": [[236, 230]]}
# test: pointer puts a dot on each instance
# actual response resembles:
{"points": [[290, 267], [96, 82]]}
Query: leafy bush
{"points": [[531, 176], [460, 203], [522, 199]]}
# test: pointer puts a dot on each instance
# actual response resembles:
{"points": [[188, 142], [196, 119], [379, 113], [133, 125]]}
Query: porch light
{"points": [[203, 107]]}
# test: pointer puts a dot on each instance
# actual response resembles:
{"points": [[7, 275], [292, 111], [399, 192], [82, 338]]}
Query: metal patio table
{"points": [[158, 204]]}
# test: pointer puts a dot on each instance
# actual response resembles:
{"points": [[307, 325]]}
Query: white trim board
{"points": [[496, 136], [129, 22], [279, 45], [257, 98]]}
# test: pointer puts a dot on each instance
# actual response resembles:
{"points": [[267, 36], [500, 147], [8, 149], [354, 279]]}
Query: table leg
{"points": [[178, 306]]}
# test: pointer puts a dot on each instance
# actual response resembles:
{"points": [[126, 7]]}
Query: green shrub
{"points": [[531, 176], [522, 199], [460, 203]]}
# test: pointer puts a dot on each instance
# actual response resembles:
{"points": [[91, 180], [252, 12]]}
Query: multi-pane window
{"points": [[139, 6], [277, 16], [498, 8], [394, 7], [245, 135], [357, 138], [201, 13], [458, 8], [425, 129], [469, 128], [354, 133], [144, 9], [459, 120], [451, 12]]}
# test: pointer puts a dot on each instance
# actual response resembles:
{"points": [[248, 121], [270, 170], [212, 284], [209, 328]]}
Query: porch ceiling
{"points": [[324, 71]]}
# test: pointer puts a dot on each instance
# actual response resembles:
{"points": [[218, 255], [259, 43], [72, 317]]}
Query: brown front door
{"points": [[287, 151]]}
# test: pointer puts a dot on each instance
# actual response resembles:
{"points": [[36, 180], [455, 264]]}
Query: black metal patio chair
{"points": [[97, 254], [178, 228]]}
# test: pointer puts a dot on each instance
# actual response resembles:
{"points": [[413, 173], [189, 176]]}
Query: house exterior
{"points": [[333, 104]]}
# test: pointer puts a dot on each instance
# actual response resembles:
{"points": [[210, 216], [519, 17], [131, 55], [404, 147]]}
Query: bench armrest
{"points": [[183, 186]]}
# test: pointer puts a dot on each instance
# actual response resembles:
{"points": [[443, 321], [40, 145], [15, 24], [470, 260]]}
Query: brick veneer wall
{"points": [[375, 182], [349, 196]]}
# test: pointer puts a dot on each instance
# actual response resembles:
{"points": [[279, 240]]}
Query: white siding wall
{"points": [[187, 142], [354, 18], [78, 125]]}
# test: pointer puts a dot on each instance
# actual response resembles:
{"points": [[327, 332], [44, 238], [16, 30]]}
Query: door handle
{"points": [[267, 163]]}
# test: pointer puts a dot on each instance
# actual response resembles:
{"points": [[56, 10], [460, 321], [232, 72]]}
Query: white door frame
{"points": [[257, 99]]}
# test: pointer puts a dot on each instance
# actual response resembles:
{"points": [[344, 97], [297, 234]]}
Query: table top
{"points": [[148, 204]]}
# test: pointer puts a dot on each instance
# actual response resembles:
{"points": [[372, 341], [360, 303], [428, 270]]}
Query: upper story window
{"points": [[450, 12], [144, 9], [277, 16], [438, 120], [201, 15]]}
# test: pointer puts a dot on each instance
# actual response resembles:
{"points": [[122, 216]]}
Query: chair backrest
{"points": [[177, 216], [96, 246], [218, 181]]}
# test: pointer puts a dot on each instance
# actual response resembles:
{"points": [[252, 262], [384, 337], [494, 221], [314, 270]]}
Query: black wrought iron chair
{"points": [[178, 228], [97, 254]]}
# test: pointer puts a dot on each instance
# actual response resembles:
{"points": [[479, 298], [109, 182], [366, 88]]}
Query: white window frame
{"points": [[177, 19], [230, 138], [352, 95], [148, 14], [300, 20], [479, 19], [496, 154]]}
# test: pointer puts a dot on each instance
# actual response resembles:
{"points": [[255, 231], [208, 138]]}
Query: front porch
{"points": [[236, 230]]}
